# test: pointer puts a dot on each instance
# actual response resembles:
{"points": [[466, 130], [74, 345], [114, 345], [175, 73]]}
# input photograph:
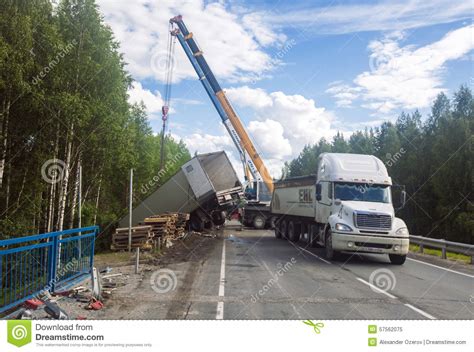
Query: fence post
{"points": [[421, 247], [443, 251], [91, 259], [54, 263]]}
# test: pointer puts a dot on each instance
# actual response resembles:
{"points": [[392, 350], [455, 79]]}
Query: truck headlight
{"points": [[402, 231], [343, 227]]}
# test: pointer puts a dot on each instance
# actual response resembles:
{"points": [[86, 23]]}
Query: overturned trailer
{"points": [[206, 186]]}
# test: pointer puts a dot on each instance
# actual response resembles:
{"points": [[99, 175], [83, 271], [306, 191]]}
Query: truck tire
{"points": [[272, 222], [397, 259], [330, 253], [277, 232], [283, 229], [196, 223], [293, 231], [313, 236], [258, 222]]}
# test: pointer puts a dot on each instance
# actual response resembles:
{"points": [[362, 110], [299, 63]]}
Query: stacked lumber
{"points": [[181, 221], [168, 225], [142, 237], [161, 225]]}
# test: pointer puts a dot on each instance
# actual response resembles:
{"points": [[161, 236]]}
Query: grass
{"points": [[437, 253], [122, 258]]}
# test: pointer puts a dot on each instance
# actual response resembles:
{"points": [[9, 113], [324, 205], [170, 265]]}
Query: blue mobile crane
{"points": [[256, 213]]}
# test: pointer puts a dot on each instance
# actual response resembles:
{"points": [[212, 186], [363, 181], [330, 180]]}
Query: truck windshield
{"points": [[362, 192]]}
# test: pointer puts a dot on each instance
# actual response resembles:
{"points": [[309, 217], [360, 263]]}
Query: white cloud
{"points": [[233, 48], [300, 120], [270, 137], [404, 77], [153, 101], [373, 16], [280, 127]]}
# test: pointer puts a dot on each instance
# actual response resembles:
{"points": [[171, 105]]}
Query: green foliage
{"points": [[434, 160], [63, 95]]}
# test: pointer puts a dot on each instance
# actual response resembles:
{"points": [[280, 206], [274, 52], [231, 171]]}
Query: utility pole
{"points": [[130, 204]]}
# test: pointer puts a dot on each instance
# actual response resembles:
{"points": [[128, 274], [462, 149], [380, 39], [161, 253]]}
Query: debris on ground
{"points": [[53, 309]]}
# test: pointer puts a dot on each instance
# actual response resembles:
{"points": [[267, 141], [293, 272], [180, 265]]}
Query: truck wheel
{"points": [[293, 233], [196, 223], [313, 236], [283, 229], [277, 232], [330, 252], [258, 222], [272, 222], [397, 259]]}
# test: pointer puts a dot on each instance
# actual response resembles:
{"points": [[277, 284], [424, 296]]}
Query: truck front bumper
{"points": [[369, 244]]}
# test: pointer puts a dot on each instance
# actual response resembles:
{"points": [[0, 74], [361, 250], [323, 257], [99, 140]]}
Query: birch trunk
{"points": [[65, 179]]}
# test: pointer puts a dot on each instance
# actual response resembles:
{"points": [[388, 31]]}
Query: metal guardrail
{"points": [[445, 246], [34, 264]]}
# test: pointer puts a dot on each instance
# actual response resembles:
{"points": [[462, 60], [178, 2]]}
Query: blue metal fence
{"points": [[34, 264]]}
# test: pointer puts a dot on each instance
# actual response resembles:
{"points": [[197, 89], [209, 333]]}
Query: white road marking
{"points": [[418, 310], [314, 255], [376, 288], [440, 267], [220, 304]]}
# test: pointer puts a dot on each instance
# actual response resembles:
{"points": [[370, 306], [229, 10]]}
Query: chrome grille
{"points": [[374, 221]]}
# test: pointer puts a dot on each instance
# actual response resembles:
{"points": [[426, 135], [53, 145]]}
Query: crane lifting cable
{"points": [[167, 91]]}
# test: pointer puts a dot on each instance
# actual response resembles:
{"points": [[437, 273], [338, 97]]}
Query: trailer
{"points": [[346, 207], [206, 186]]}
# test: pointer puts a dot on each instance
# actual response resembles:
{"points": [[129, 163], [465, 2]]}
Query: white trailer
{"points": [[346, 207]]}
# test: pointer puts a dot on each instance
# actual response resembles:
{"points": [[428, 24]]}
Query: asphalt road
{"points": [[250, 274]]}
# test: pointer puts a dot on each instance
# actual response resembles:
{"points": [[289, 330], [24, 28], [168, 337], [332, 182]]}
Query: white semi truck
{"points": [[346, 207]]}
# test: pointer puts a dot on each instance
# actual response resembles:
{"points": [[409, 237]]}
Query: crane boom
{"points": [[228, 115]]}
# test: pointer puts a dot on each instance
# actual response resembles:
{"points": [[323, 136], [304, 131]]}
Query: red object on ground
{"points": [[33, 303], [97, 305]]}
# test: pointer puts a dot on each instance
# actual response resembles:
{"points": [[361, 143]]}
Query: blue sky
{"points": [[295, 71]]}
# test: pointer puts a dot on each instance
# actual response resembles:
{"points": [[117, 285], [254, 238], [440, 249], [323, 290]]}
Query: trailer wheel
{"points": [[330, 252], [272, 222], [293, 232], [196, 223], [397, 259], [283, 229], [277, 231], [259, 222], [313, 236]]}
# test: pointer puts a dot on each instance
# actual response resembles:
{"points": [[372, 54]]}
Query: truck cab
{"points": [[354, 202]]}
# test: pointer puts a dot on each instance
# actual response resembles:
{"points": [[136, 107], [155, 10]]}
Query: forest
{"points": [[432, 157], [64, 103]]}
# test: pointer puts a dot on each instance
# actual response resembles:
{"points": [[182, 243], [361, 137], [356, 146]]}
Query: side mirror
{"points": [[318, 191], [337, 202], [403, 198]]}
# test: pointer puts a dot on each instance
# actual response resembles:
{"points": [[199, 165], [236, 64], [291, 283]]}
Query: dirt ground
{"points": [[123, 300]]}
